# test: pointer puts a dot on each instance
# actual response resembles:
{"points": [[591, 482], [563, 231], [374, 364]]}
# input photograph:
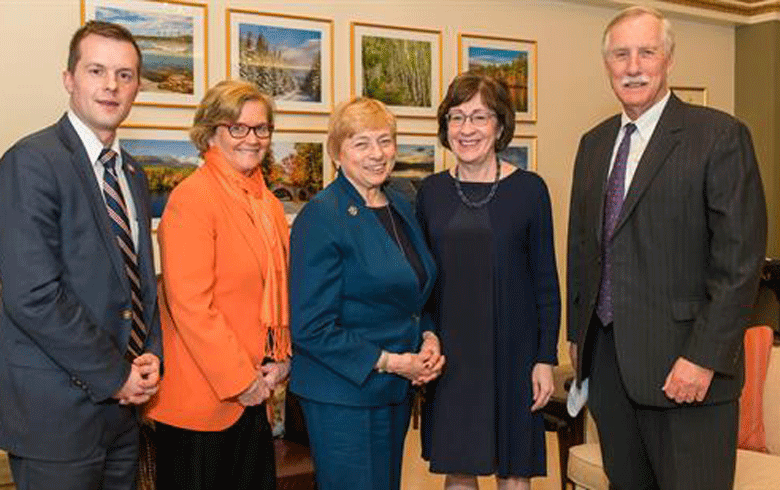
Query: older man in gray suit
{"points": [[79, 329], [667, 234]]}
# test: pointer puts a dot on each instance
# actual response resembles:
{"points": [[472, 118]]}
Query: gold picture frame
{"points": [[174, 71], [691, 95], [512, 59], [290, 57], [415, 90]]}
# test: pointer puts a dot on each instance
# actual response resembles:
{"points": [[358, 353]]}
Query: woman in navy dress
{"points": [[495, 304]]}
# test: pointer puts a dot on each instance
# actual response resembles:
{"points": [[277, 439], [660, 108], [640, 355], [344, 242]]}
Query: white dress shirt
{"points": [[645, 125], [94, 146]]}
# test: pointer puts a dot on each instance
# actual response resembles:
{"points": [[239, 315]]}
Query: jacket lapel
{"points": [[135, 181], [418, 242], [665, 137], [603, 158], [86, 174]]}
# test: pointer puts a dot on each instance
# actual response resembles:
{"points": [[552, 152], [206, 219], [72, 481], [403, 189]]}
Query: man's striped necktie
{"points": [[120, 223]]}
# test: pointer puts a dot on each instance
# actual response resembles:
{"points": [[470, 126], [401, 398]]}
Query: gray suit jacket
{"points": [[687, 248], [64, 324]]}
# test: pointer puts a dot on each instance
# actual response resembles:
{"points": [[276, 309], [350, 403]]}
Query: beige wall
{"points": [[573, 92], [757, 102]]}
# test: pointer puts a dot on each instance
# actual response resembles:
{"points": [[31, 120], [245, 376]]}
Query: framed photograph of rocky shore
{"points": [[418, 155], [289, 57], [512, 60], [172, 38], [401, 66], [167, 156]]}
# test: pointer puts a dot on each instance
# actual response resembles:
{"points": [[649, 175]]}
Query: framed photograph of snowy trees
{"points": [[289, 57]]}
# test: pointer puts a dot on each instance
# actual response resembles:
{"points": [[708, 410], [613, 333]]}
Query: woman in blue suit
{"points": [[359, 275]]}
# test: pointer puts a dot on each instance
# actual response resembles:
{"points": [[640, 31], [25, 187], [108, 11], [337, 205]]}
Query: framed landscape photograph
{"points": [[418, 155], [691, 95], [296, 167], [167, 156], [521, 152], [288, 57], [401, 66], [512, 60], [172, 37]]}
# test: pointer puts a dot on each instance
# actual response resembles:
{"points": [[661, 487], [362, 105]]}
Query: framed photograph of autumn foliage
{"points": [[288, 57], [297, 167], [512, 60], [401, 66]]}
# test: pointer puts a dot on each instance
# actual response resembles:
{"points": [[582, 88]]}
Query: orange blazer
{"points": [[210, 302]]}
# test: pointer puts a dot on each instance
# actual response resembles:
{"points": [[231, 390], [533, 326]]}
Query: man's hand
{"points": [[687, 382], [142, 382], [542, 384]]}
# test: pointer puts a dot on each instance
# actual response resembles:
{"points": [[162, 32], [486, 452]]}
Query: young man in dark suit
{"points": [[667, 234], [79, 330]]}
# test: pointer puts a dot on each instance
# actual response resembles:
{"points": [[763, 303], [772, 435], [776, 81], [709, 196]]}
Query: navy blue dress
{"points": [[496, 307]]}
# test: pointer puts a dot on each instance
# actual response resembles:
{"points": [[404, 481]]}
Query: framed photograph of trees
{"points": [[296, 167], [172, 38], [401, 66], [288, 57], [512, 60]]}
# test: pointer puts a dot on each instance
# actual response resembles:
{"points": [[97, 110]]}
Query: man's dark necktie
{"points": [[120, 223], [612, 204]]}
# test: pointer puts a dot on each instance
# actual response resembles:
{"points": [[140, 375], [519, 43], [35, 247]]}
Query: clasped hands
{"points": [[143, 381], [269, 376], [421, 367]]}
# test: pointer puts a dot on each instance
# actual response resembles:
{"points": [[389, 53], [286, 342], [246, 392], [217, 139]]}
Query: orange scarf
{"points": [[270, 226]]}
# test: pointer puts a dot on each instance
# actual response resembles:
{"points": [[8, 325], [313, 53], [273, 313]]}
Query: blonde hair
{"points": [[638, 11], [222, 104], [356, 115]]}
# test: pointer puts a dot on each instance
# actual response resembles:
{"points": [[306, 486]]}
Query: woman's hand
{"points": [[412, 367], [430, 352], [256, 393], [542, 384], [275, 373]]}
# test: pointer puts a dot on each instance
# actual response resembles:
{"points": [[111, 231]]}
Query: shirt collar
{"points": [[645, 124], [90, 141]]}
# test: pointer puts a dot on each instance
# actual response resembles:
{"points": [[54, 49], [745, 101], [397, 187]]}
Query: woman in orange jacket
{"points": [[224, 309]]}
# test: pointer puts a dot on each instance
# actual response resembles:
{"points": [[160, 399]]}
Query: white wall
{"points": [[573, 93]]}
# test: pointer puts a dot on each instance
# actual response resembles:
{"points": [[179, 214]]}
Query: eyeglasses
{"points": [[479, 119], [241, 130]]}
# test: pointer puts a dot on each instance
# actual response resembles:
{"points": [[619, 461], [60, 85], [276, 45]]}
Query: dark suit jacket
{"points": [[687, 249], [352, 293], [65, 321]]}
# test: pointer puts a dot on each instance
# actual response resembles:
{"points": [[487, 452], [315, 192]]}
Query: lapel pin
{"points": [[352, 210]]}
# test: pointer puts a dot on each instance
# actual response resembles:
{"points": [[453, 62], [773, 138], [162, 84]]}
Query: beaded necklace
{"points": [[484, 200]]}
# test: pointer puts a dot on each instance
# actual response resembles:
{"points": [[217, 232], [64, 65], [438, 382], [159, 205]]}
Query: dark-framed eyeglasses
{"points": [[479, 118], [238, 130]]}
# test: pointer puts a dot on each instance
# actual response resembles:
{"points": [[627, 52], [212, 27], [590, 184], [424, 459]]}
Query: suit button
{"points": [[415, 317], [127, 314]]}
